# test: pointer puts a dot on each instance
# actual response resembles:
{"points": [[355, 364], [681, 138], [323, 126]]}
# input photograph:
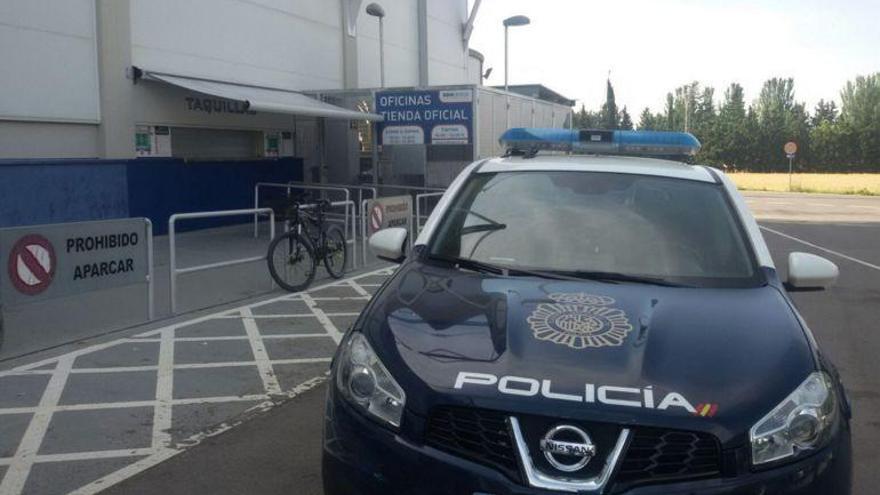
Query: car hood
{"points": [[715, 360]]}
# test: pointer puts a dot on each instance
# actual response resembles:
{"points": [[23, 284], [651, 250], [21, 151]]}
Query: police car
{"points": [[600, 322]]}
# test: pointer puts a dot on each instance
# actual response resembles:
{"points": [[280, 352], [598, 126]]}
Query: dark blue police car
{"points": [[587, 324]]}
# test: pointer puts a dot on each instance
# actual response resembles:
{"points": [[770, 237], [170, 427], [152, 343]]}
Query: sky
{"points": [[651, 47]]}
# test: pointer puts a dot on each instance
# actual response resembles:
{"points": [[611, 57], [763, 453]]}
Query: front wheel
{"points": [[291, 260], [335, 251]]}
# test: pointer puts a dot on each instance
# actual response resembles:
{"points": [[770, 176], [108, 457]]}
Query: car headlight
{"points": [[800, 423], [364, 381]]}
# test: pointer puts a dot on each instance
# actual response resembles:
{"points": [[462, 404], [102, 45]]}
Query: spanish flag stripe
{"points": [[706, 409], [713, 410]]}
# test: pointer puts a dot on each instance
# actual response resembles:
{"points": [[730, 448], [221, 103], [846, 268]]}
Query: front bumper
{"points": [[363, 458]]}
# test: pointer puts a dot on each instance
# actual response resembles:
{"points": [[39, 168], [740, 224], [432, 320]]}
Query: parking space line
{"points": [[267, 374], [357, 288], [163, 446], [820, 248], [164, 390], [162, 456], [25, 455], [82, 456], [334, 332]]}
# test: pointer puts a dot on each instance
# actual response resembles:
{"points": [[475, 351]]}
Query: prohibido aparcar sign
{"points": [[48, 261]]}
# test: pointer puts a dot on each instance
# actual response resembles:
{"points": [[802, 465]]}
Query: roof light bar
{"points": [[528, 141]]}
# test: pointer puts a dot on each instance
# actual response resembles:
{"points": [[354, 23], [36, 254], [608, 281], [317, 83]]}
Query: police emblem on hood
{"points": [[580, 320]]}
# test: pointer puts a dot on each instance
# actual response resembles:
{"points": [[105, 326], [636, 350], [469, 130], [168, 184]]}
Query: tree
{"points": [[824, 112], [646, 121], [626, 122], [860, 120], [585, 119], [608, 114], [730, 133]]}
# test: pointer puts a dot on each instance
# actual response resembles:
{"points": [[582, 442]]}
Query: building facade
{"points": [[116, 108]]}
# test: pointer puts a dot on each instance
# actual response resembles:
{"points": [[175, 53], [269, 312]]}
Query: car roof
{"points": [[598, 163]]}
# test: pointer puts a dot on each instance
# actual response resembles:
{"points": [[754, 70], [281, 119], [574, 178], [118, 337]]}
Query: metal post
{"points": [[172, 265], [382, 51], [505, 57], [256, 205], [790, 159], [150, 278]]}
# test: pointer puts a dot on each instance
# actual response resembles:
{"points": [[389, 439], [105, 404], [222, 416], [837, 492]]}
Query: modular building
{"points": [[117, 108]]}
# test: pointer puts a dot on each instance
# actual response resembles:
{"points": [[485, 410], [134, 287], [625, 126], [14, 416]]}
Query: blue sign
{"points": [[426, 116]]}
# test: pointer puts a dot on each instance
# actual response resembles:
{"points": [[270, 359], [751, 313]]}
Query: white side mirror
{"points": [[810, 271], [390, 244]]}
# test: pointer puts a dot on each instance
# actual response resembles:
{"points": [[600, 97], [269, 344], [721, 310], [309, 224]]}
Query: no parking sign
{"points": [[393, 211], [32, 264], [48, 261]]}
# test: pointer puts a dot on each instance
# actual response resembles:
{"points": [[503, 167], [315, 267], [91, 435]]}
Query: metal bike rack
{"points": [[174, 271], [352, 241]]}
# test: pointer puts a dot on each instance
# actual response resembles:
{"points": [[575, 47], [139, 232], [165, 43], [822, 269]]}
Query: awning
{"points": [[263, 99]]}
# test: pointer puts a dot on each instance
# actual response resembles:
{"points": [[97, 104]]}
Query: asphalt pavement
{"points": [[254, 440], [280, 452]]}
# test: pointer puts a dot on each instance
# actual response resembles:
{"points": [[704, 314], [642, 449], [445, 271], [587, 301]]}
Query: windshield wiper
{"points": [[622, 277], [506, 271]]}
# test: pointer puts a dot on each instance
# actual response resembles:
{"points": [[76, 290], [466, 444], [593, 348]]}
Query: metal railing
{"points": [[174, 271], [419, 198]]}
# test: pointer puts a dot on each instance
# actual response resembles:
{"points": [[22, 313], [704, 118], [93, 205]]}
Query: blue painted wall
{"points": [[40, 192], [34, 192], [159, 188]]}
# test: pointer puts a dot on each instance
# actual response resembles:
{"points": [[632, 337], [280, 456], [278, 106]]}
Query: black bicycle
{"points": [[309, 239]]}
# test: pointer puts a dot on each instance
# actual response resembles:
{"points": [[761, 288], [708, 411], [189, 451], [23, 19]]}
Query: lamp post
{"points": [[376, 10], [517, 20]]}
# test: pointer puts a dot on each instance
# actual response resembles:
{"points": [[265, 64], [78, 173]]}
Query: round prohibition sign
{"points": [[377, 214], [32, 264]]}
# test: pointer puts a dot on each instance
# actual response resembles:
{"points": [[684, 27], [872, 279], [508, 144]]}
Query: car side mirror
{"points": [[390, 244], [808, 271]]}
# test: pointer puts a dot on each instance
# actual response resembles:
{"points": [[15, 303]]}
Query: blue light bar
{"points": [[524, 140]]}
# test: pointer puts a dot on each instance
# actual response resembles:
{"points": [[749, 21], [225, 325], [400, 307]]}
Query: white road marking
{"points": [[25, 456], [159, 457], [79, 456], [164, 391], [267, 373], [334, 332], [820, 248], [357, 288]]}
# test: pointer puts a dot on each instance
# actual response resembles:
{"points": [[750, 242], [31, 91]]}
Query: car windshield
{"points": [[598, 225]]}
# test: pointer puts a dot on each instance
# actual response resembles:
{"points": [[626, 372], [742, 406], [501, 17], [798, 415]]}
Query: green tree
{"points": [[826, 111], [626, 122], [730, 130], [608, 114], [860, 120]]}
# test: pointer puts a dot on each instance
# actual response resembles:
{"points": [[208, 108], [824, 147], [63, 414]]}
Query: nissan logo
{"points": [[567, 448]]}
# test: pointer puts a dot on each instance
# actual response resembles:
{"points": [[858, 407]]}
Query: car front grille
{"points": [[479, 435], [654, 455], [657, 455]]}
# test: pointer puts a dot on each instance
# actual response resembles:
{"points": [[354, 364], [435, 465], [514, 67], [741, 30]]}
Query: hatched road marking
{"points": [[168, 344]]}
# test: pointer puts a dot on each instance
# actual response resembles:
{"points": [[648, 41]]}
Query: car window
{"points": [[676, 229]]}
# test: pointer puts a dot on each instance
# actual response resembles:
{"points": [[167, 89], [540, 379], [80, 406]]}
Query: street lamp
{"points": [[376, 10], [517, 20]]}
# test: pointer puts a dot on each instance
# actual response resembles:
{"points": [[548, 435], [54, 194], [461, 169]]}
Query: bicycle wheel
{"points": [[335, 251], [291, 261]]}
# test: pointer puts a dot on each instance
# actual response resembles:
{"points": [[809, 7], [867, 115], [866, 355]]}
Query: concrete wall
{"points": [[48, 60], [48, 140], [447, 52], [280, 43]]}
